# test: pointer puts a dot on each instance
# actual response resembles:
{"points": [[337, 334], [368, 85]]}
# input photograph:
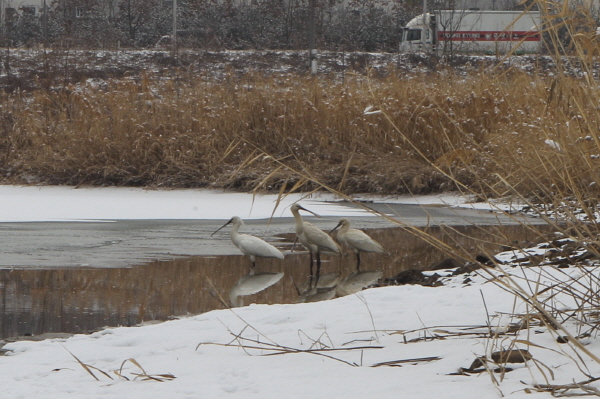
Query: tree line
{"points": [[346, 25]]}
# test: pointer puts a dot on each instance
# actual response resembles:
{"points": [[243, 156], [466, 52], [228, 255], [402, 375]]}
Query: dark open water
{"points": [[80, 300]]}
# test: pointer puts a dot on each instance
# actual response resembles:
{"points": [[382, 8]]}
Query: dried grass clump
{"points": [[139, 373], [494, 132], [446, 131], [535, 138]]}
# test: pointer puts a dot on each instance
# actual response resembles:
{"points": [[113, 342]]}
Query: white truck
{"points": [[474, 31]]}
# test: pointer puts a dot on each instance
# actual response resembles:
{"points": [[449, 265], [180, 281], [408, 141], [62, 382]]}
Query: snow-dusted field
{"points": [[371, 344], [98, 65]]}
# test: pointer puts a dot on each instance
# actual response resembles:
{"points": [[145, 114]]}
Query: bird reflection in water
{"points": [[324, 289], [317, 295], [357, 281], [327, 280], [250, 284]]}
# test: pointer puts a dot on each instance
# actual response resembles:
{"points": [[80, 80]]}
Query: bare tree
{"points": [[143, 21]]}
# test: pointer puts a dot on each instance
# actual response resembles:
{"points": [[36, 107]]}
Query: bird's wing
{"points": [[321, 239], [250, 245], [359, 240]]}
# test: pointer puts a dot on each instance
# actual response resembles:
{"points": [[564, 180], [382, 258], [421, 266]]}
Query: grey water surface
{"points": [[78, 277]]}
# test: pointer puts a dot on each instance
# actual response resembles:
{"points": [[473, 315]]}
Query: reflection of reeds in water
{"points": [[79, 300]]}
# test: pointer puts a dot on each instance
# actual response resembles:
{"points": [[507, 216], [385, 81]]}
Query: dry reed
{"points": [[447, 131]]}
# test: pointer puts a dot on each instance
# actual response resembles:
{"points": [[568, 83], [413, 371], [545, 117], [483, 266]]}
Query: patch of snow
{"points": [[60, 203], [449, 199], [403, 341], [346, 347]]}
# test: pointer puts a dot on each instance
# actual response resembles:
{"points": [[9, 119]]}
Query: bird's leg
{"points": [[253, 268], [358, 261], [318, 268], [310, 269]]}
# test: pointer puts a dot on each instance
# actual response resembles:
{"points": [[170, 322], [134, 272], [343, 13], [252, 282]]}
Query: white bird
{"points": [[313, 239], [251, 284], [250, 245], [356, 240]]}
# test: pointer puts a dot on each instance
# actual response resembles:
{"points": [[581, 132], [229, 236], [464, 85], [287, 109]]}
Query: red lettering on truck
{"points": [[490, 36]]}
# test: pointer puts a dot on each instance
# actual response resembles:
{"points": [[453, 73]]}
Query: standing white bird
{"points": [[250, 245], [356, 240], [313, 239]]}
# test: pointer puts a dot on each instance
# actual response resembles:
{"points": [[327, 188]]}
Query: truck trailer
{"points": [[474, 31]]}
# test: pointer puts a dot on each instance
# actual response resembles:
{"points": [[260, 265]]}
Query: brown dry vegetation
{"points": [[491, 126], [485, 131]]}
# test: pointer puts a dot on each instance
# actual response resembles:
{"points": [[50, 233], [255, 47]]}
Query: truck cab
{"points": [[419, 34]]}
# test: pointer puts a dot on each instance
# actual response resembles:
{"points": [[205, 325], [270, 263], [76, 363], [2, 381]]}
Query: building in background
{"points": [[10, 8]]}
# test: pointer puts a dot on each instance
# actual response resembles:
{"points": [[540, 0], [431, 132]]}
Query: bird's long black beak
{"points": [[336, 227], [306, 210], [230, 220]]}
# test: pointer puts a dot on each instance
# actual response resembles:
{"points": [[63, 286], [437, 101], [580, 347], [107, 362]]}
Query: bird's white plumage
{"points": [[357, 240], [250, 245], [254, 246], [311, 237]]}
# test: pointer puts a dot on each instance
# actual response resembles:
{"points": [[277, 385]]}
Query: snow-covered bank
{"points": [[403, 341], [373, 320], [60, 203]]}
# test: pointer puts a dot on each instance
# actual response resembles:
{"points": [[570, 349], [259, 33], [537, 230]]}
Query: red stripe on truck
{"points": [[489, 36]]}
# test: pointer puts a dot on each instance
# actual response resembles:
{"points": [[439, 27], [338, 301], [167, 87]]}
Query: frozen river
{"points": [[52, 227], [75, 260]]}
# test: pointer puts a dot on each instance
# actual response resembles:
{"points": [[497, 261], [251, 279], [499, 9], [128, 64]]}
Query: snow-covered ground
{"points": [[404, 341], [216, 65], [60, 203], [353, 347]]}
